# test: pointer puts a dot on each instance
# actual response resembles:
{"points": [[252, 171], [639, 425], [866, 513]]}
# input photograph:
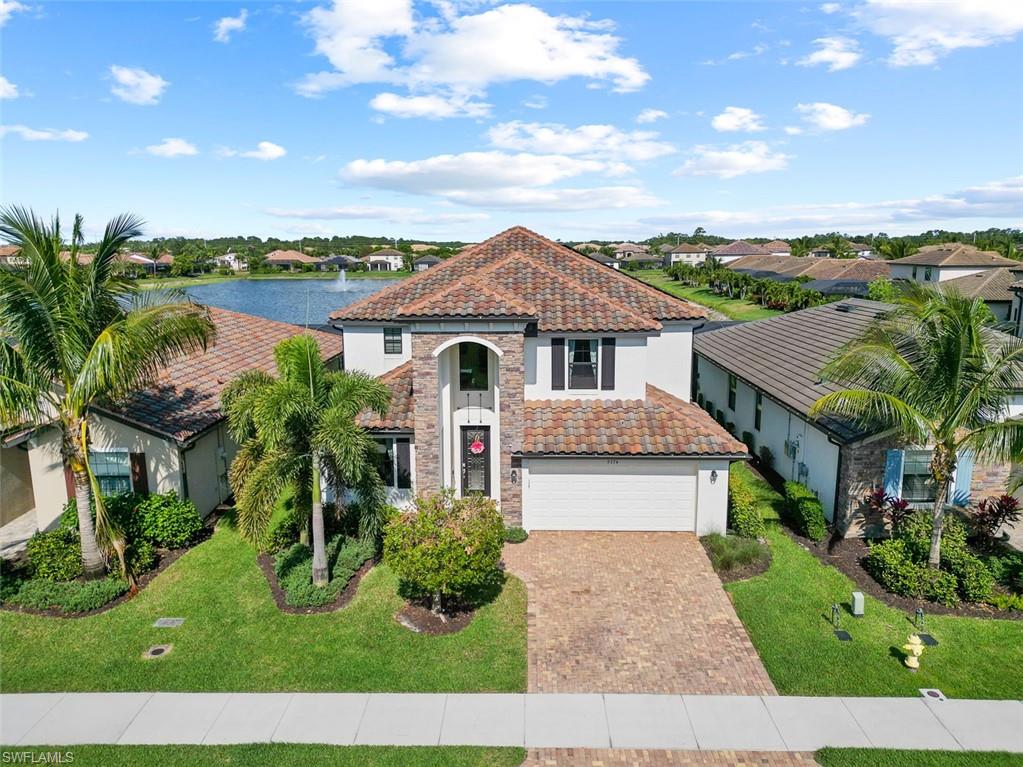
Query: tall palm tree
{"points": [[74, 333], [838, 247], [897, 248], [292, 429], [937, 373]]}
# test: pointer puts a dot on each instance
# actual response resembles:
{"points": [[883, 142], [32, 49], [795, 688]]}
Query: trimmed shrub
{"points": [[294, 570], [1007, 601], [70, 597], [1007, 570], [915, 529], [729, 552], [56, 555], [140, 556], [939, 586], [975, 581], [743, 515], [750, 441], [283, 533], [168, 522], [889, 564], [445, 546], [515, 535], [809, 516]]}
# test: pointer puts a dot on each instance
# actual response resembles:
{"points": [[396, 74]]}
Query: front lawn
{"points": [[874, 757], [787, 612], [235, 638], [281, 755], [734, 308]]}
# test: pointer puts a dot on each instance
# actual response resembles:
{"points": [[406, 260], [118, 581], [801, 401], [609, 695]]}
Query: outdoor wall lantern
{"points": [[714, 476], [514, 477]]}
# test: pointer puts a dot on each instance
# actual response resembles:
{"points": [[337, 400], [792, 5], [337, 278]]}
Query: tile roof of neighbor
{"points": [[386, 252], [185, 400], [775, 245], [659, 425], [816, 268], [989, 285], [956, 254], [782, 356], [428, 260], [400, 415], [291, 255], [518, 274], [739, 248], [685, 247]]}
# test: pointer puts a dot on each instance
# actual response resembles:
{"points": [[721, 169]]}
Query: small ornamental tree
{"points": [[445, 546], [992, 514]]}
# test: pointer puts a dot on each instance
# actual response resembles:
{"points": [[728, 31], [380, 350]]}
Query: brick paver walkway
{"points": [[595, 757], [631, 612]]}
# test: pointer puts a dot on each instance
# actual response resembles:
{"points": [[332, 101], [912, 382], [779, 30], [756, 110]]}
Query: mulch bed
{"points": [[167, 557], [847, 555], [266, 564], [422, 620]]}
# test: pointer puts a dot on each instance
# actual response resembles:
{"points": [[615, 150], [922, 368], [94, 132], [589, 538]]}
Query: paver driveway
{"points": [[631, 612]]}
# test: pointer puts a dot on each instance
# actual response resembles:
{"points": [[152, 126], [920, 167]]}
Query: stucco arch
{"points": [[468, 339]]}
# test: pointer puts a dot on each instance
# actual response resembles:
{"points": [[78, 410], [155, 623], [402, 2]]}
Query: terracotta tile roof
{"points": [[566, 290], [685, 247], [287, 256], [817, 268], [776, 245], [9, 250], [185, 400], [387, 252], [659, 425], [956, 254], [400, 416], [739, 248], [989, 285]]}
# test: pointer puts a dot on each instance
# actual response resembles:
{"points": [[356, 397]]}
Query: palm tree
{"points": [[1008, 249], [74, 333], [294, 428], [837, 246], [898, 248], [936, 372]]}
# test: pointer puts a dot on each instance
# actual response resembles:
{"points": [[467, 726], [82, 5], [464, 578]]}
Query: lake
{"points": [[286, 300]]}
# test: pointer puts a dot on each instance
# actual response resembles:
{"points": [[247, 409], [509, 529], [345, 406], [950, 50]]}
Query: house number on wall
{"points": [[612, 461]]}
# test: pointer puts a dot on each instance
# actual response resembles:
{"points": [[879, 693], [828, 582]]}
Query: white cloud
{"points": [[43, 134], [830, 8], [737, 119], [228, 25], [757, 50], [997, 200], [8, 8], [598, 142], [265, 150], [835, 53], [824, 116], [522, 181], [922, 31], [733, 161], [8, 90], [433, 106], [793, 130], [395, 215], [461, 53], [173, 147], [535, 102], [137, 86], [651, 116]]}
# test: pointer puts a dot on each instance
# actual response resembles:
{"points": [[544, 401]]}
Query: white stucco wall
{"points": [[712, 497], [162, 465], [938, 273], [669, 359], [816, 452], [206, 467], [630, 369], [48, 484], [364, 349]]}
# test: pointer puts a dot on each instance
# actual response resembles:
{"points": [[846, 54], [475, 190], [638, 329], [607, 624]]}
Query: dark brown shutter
{"points": [[557, 363], [139, 475], [607, 371], [69, 481], [403, 450]]}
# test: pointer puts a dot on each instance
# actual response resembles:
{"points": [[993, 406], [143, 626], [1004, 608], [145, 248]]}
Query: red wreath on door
{"points": [[477, 446]]}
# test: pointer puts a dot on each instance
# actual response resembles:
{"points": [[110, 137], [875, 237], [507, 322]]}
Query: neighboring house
{"points": [[777, 248], [170, 436], [342, 262], [856, 249], [292, 259], [937, 263], [423, 263], [232, 261], [10, 257], [684, 253], [164, 262], [733, 251], [765, 376], [625, 251], [385, 260], [993, 286], [643, 258], [530, 373], [600, 258], [830, 276]]}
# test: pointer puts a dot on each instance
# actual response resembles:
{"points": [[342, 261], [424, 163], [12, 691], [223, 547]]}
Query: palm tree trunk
{"points": [[934, 558], [93, 565], [320, 576]]}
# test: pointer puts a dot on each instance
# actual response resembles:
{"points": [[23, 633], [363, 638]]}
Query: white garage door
{"points": [[609, 494]]}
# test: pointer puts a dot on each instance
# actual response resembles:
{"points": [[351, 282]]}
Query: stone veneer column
{"points": [[427, 413]]}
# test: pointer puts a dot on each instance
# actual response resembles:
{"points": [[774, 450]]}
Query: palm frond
{"points": [[876, 409], [238, 401]]}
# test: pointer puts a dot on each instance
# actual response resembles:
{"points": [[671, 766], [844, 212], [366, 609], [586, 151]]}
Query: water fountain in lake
{"points": [[341, 283]]}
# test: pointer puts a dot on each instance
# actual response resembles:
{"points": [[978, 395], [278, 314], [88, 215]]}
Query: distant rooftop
{"points": [[956, 254]]}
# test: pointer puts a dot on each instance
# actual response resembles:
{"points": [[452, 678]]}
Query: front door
{"points": [[476, 460]]}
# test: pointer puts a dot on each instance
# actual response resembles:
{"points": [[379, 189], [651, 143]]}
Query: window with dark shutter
{"points": [[557, 363], [403, 450], [607, 364]]}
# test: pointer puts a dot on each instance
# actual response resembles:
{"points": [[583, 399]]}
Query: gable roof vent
{"points": [[843, 307]]}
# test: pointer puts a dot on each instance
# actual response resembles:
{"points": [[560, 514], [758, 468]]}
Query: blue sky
{"points": [[454, 120]]}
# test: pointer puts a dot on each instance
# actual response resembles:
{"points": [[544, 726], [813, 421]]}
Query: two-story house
{"points": [[384, 260], [556, 385], [939, 263], [684, 253]]}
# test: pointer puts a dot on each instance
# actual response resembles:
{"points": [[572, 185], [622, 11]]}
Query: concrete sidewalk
{"points": [[692, 722]]}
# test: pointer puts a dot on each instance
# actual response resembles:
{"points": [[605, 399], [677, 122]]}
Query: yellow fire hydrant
{"points": [[914, 649]]}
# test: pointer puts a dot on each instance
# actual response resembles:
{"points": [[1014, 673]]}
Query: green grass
{"points": [[874, 757], [787, 613], [734, 308], [235, 638], [282, 755]]}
